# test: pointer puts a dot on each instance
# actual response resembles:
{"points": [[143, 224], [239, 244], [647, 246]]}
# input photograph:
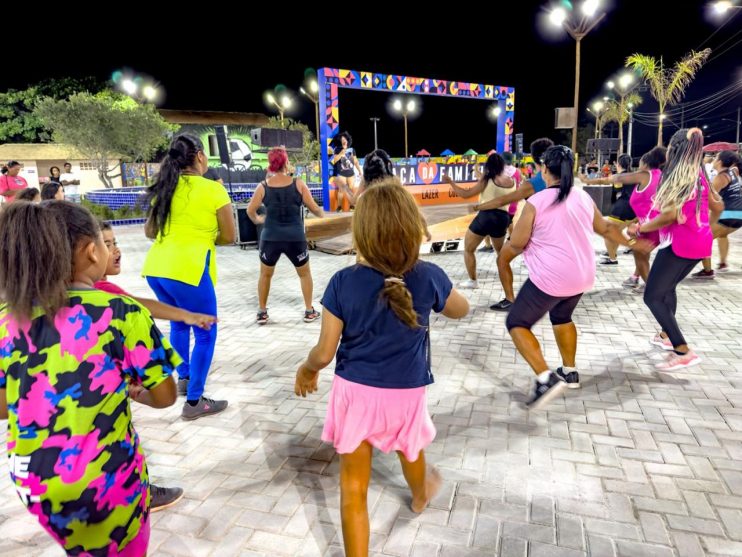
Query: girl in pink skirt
{"points": [[378, 312]]}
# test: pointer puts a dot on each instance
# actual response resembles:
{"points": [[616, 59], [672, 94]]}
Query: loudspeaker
{"points": [[564, 118], [519, 144], [221, 140], [269, 137], [247, 232]]}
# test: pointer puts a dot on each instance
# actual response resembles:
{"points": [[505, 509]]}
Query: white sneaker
{"points": [[469, 284]]}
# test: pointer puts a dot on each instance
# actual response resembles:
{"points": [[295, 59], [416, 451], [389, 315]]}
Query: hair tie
{"points": [[394, 280]]}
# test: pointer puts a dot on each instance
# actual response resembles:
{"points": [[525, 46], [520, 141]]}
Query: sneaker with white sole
{"points": [[703, 274], [571, 378], [469, 284], [630, 282], [662, 342], [163, 497], [262, 317], [543, 393], [608, 261], [311, 315], [204, 407], [679, 361], [722, 268]]}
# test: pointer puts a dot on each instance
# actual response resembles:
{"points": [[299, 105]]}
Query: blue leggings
{"points": [[198, 299]]}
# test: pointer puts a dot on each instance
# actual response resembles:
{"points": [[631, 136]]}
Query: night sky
{"points": [[209, 60]]}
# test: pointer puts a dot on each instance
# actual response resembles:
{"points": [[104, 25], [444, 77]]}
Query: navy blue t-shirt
{"points": [[377, 348]]}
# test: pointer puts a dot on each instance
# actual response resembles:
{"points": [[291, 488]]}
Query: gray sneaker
{"points": [[205, 407], [164, 497], [183, 387]]}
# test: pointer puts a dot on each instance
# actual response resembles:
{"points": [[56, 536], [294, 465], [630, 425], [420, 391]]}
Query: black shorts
{"points": [[731, 223], [493, 222], [532, 304], [622, 211], [344, 174], [297, 252]]}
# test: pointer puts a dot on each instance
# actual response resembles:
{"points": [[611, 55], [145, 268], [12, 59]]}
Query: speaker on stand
{"points": [[224, 153]]}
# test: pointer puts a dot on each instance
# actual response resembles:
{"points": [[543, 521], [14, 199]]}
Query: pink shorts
{"points": [[389, 419]]}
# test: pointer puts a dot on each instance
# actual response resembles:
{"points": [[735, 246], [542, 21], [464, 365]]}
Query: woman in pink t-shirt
{"points": [[554, 233], [10, 182], [681, 212]]}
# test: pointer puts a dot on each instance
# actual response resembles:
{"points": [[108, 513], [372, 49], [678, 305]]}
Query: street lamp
{"points": [[577, 27], [598, 106], [623, 86], [724, 6], [282, 104], [407, 108], [313, 95], [138, 88]]}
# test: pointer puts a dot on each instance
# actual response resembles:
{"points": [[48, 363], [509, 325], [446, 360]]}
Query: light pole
{"points": [[282, 106], [406, 108], [376, 141], [577, 28], [737, 121], [313, 95], [631, 128], [597, 107], [623, 85]]}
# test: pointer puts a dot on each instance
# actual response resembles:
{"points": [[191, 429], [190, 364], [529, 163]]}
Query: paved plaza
{"points": [[635, 463]]}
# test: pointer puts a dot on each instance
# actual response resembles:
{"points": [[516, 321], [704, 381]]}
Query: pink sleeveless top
{"points": [[690, 235], [641, 203]]}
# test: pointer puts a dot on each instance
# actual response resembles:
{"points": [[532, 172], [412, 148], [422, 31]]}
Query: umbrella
{"points": [[422, 153], [447, 153], [471, 152], [720, 146]]}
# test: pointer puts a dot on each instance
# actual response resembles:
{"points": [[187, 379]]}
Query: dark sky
{"points": [[213, 59]]}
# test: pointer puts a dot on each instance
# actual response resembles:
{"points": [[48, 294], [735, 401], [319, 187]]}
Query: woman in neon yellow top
{"points": [[188, 216]]}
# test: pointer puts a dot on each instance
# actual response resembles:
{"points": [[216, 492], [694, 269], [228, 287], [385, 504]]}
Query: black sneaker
{"points": [[486, 249], [572, 379], [608, 261], [262, 318], [703, 274], [183, 387], [163, 497], [627, 251], [543, 393], [502, 305]]}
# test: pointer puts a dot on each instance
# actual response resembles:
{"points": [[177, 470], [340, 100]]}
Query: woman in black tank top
{"points": [[283, 230], [728, 184]]}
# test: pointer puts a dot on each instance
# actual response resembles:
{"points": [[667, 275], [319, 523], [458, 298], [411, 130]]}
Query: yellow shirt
{"points": [[190, 233]]}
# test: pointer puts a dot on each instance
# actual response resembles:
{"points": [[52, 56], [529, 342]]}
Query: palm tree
{"points": [[667, 85], [619, 111]]}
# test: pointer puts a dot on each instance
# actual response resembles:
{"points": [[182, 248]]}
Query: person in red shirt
{"points": [[10, 182]]}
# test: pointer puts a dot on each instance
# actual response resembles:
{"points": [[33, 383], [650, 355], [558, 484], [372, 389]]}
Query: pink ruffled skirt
{"points": [[389, 419]]}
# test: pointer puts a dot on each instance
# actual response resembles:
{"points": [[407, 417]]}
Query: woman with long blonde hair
{"points": [[683, 207]]}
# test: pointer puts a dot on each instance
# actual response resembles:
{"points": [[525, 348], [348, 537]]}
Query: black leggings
{"points": [[532, 304], [659, 294]]}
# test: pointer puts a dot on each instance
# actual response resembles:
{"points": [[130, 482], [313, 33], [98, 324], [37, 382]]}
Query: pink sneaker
{"points": [[677, 361], [659, 340]]}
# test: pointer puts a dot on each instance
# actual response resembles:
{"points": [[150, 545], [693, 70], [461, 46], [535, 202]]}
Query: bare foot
{"points": [[433, 481]]}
